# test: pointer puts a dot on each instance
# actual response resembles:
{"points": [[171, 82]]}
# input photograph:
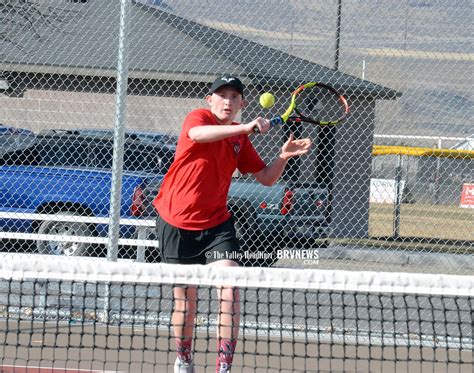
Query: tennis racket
{"points": [[314, 103]]}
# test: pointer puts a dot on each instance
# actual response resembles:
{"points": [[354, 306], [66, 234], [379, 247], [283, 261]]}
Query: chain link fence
{"points": [[93, 94]]}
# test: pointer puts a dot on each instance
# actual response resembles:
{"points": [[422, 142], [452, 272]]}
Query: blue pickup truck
{"points": [[68, 172], [61, 172], [65, 191]]}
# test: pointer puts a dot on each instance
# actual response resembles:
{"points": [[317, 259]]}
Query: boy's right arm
{"points": [[203, 134]]}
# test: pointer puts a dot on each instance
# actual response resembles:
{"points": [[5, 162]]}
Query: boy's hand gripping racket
{"points": [[306, 104]]}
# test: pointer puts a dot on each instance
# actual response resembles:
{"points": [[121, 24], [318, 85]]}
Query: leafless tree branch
{"points": [[17, 15]]}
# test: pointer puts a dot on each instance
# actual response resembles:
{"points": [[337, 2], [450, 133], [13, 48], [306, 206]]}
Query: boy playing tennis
{"points": [[194, 225]]}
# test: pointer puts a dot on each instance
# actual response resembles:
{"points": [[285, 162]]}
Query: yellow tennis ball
{"points": [[267, 100]]}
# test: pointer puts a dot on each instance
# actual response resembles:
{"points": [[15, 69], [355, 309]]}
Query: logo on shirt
{"points": [[236, 146]]}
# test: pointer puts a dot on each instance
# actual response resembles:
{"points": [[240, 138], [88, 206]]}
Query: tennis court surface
{"points": [[83, 315]]}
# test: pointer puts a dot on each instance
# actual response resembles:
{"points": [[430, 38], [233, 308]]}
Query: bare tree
{"points": [[18, 17]]}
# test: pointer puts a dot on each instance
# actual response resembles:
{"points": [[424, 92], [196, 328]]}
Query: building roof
{"points": [[84, 41]]}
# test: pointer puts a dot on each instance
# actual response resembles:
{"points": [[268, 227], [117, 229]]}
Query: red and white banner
{"points": [[467, 196]]}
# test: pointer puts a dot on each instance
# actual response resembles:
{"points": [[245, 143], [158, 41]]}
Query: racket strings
{"points": [[319, 105]]}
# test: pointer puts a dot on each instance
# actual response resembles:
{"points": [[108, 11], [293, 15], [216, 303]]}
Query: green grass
{"points": [[423, 221], [422, 227]]}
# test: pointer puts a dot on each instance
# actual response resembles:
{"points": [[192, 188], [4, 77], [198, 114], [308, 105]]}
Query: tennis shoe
{"points": [[183, 367]]}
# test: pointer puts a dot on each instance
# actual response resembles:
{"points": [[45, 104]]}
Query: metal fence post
{"points": [[437, 185], [398, 198], [338, 35], [117, 167]]}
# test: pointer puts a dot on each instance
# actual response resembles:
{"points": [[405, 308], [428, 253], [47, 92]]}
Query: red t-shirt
{"points": [[193, 194]]}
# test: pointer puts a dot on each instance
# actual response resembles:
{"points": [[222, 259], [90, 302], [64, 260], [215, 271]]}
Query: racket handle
{"points": [[273, 122], [276, 120]]}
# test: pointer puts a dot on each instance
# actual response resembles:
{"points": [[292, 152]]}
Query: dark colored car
{"points": [[76, 149], [13, 139]]}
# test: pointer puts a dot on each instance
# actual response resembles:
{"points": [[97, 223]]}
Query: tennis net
{"points": [[76, 314]]}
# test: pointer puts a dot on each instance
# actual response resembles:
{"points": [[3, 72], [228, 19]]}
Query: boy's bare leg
{"points": [[184, 314], [228, 322]]}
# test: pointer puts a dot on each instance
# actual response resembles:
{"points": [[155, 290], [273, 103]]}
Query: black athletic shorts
{"points": [[182, 246]]}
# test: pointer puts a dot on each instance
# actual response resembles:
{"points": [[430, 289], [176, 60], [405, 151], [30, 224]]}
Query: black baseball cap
{"points": [[227, 80]]}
